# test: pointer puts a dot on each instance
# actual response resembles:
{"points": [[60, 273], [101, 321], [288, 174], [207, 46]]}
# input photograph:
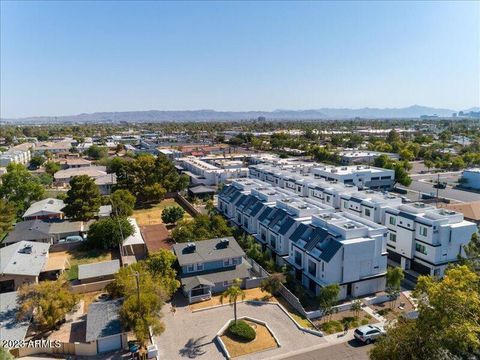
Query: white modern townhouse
{"points": [[362, 176], [369, 204], [426, 239], [202, 172], [339, 248]]}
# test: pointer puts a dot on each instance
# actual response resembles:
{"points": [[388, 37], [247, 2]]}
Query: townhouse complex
{"points": [[333, 231]]}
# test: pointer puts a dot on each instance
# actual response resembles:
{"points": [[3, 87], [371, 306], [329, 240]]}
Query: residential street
{"points": [[345, 351]]}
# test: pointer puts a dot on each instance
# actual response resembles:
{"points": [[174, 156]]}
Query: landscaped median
{"points": [[246, 336]]}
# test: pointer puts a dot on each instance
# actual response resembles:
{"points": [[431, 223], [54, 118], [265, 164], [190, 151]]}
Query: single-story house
{"points": [[104, 326], [45, 209], [11, 328], [210, 266], [21, 263], [49, 232], [103, 180], [202, 192], [105, 270], [75, 163], [133, 247]]}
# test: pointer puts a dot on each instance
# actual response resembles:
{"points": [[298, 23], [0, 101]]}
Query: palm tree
{"points": [[232, 293]]}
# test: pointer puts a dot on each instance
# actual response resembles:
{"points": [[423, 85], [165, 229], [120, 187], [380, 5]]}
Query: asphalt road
{"points": [[351, 350]]}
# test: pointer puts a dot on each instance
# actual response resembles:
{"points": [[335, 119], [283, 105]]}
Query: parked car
{"points": [[368, 333], [440, 185]]}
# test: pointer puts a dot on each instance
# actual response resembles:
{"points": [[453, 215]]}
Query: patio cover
{"points": [[193, 282]]}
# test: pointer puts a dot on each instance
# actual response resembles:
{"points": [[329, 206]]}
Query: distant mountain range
{"points": [[414, 111]]}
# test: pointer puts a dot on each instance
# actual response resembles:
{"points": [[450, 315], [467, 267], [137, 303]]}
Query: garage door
{"points": [[110, 343]]}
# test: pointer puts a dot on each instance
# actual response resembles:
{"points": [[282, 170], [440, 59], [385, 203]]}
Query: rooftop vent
{"points": [[190, 247], [419, 205], [51, 201], [349, 226], [27, 249], [223, 243]]}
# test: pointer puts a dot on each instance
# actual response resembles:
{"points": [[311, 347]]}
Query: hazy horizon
{"points": [[69, 58]]}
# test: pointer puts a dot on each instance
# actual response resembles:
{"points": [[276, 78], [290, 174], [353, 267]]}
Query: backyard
{"points": [[153, 214], [77, 257]]}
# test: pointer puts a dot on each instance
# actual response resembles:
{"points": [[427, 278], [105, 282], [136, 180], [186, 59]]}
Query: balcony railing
{"points": [[202, 297]]}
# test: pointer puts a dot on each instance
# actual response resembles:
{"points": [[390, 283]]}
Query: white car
{"points": [[368, 333]]}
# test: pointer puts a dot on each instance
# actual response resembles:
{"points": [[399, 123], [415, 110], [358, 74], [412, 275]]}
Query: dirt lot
{"points": [[391, 310], [250, 294], [153, 214], [335, 323]]}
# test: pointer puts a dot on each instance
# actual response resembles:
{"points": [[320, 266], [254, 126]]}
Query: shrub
{"points": [[364, 321], [331, 327], [242, 330], [383, 312]]}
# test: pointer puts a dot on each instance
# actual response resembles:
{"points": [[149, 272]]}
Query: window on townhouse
{"points": [[345, 205], [298, 258], [328, 198], [423, 231], [190, 268], [199, 267], [236, 261], [263, 235], [273, 241], [393, 237], [367, 212], [312, 268], [421, 248], [226, 262], [239, 218], [392, 220]]}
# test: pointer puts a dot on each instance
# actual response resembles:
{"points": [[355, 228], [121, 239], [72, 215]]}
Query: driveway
{"points": [[191, 334]]}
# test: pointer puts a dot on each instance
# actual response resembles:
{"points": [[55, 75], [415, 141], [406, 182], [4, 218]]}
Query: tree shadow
{"points": [[193, 348]]}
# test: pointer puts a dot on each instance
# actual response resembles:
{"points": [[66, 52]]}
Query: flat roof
{"points": [[103, 319], [88, 271], [23, 258]]}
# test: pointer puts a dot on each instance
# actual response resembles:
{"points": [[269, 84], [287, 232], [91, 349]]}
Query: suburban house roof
{"points": [[45, 207], [11, 328], [136, 237], [470, 210], [194, 281], [241, 271], [207, 250], [87, 271], [103, 319], [317, 238], [23, 258], [43, 229]]}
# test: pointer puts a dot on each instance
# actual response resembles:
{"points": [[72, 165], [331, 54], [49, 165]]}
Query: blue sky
{"points": [[72, 57]]}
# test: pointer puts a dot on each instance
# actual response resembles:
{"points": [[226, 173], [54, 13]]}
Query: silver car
{"points": [[368, 333]]}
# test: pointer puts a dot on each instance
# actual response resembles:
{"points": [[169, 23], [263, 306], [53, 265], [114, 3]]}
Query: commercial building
{"points": [[471, 178], [350, 157], [202, 172], [362, 176]]}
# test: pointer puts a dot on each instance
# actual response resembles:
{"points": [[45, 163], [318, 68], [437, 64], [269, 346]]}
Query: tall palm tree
{"points": [[233, 293]]}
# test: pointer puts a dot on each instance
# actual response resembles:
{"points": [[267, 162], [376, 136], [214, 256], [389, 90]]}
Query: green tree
{"points": [[393, 281], [37, 160], [472, 253], [51, 167], [448, 323], [7, 216], [327, 298], [49, 301], [5, 354], [428, 164], [122, 202], [273, 283], [20, 188], [356, 307], [45, 179], [155, 192], [172, 214], [109, 232], [97, 152], [83, 199], [232, 294], [161, 266], [143, 300]]}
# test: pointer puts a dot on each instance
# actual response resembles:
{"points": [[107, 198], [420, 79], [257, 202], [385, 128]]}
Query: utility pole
{"points": [[438, 187], [137, 280]]}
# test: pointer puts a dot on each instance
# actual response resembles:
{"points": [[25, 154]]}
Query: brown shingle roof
{"points": [[470, 210], [156, 237]]}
